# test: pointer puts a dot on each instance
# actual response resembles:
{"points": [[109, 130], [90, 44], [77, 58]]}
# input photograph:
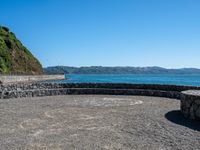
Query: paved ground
{"points": [[95, 122]]}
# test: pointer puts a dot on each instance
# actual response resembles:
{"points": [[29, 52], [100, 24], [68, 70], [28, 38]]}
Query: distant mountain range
{"points": [[117, 70]]}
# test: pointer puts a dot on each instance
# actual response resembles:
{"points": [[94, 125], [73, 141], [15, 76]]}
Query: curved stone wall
{"points": [[46, 89], [103, 91], [32, 86], [190, 103]]}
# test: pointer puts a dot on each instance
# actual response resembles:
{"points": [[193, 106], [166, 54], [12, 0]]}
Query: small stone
{"points": [[192, 116], [197, 101], [195, 106], [198, 113]]}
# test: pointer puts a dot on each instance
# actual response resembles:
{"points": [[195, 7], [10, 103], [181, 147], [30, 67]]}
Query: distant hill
{"points": [[14, 57], [118, 70]]}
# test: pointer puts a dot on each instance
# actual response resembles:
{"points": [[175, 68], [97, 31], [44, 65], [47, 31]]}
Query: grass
{"points": [[14, 57]]}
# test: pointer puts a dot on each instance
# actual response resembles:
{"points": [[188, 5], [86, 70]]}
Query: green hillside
{"points": [[117, 70], [14, 57]]}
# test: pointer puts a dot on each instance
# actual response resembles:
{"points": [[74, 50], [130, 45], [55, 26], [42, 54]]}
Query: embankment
{"points": [[29, 78]]}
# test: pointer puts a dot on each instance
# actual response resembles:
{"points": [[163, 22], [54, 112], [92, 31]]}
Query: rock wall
{"points": [[190, 104], [46, 89], [190, 100]]}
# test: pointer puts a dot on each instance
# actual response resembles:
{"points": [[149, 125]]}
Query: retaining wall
{"points": [[29, 78], [47, 89], [190, 103], [46, 85]]}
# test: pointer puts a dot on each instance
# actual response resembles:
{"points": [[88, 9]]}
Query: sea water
{"points": [[175, 79]]}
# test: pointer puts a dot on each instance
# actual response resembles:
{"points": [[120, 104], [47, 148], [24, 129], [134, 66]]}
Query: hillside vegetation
{"points": [[14, 57], [118, 70]]}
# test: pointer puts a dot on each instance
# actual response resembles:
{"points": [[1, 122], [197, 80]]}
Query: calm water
{"points": [[185, 79]]}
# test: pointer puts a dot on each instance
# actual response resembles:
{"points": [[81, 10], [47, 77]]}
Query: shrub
{"points": [[5, 28]]}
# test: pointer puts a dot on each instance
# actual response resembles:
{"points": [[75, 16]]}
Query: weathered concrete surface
{"points": [[29, 78], [95, 122]]}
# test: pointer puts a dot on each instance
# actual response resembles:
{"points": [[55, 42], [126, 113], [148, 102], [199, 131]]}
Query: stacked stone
{"points": [[190, 104], [47, 89], [190, 100]]}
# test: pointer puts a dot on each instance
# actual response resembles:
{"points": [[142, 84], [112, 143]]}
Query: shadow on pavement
{"points": [[175, 116]]}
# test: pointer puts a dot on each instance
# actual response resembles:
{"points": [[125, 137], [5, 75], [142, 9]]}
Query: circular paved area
{"points": [[95, 122]]}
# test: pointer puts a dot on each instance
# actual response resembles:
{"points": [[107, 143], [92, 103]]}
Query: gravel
{"points": [[96, 122]]}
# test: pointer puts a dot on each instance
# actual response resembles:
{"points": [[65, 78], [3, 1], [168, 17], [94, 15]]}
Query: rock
{"points": [[198, 113], [191, 100]]}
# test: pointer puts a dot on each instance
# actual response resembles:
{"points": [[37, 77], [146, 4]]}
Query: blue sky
{"points": [[162, 33]]}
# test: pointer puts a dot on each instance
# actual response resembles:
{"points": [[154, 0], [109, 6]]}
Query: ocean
{"points": [[175, 79]]}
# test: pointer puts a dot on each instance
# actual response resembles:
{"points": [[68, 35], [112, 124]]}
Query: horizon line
{"points": [[122, 67]]}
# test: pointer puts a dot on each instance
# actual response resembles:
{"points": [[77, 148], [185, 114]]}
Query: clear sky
{"points": [[162, 33]]}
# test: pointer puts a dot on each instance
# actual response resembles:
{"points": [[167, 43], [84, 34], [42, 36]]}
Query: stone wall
{"points": [[190, 103], [50, 85], [29, 78], [46, 89], [67, 91]]}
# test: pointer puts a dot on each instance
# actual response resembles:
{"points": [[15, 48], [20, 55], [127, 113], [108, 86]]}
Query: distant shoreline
{"points": [[7, 79], [117, 70], [175, 79]]}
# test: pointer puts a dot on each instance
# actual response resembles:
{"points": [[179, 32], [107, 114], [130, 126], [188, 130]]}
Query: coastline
{"points": [[6, 79]]}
